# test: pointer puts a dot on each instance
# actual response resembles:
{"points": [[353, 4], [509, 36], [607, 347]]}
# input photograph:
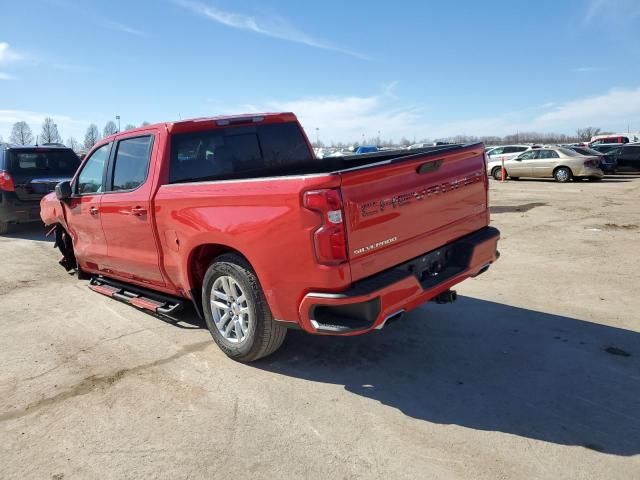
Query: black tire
{"points": [[562, 174], [4, 228], [264, 336], [496, 173]]}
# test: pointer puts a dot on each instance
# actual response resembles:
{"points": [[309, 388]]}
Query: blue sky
{"points": [[419, 69]]}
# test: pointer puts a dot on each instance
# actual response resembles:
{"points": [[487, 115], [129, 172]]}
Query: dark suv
{"points": [[627, 156], [28, 173]]}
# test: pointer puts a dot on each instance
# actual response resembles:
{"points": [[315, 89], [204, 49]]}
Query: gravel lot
{"points": [[533, 373]]}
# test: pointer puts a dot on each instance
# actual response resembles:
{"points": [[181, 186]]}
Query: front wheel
{"points": [[236, 311], [496, 173], [562, 175]]}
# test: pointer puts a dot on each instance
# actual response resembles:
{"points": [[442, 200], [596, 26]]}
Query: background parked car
{"points": [[506, 152], [627, 157], [366, 149], [614, 138], [551, 162], [606, 147], [26, 175], [608, 163]]}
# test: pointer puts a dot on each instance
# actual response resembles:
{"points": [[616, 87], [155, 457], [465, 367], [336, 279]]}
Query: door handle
{"points": [[94, 210], [138, 211]]}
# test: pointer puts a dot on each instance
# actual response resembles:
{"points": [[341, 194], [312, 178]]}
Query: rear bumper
{"points": [[590, 172], [13, 210], [369, 303]]}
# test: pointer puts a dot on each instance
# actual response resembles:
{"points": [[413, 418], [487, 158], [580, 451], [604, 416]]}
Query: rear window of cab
{"points": [[239, 152]]}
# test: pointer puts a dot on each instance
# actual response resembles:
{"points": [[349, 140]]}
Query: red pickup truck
{"points": [[236, 215]]}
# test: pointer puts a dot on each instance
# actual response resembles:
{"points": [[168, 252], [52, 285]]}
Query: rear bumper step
{"points": [[140, 298]]}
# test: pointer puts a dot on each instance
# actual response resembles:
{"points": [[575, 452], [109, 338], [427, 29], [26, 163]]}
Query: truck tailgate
{"points": [[400, 209]]}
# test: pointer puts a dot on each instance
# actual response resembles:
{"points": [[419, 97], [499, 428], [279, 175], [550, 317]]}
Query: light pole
{"points": [[118, 118]]}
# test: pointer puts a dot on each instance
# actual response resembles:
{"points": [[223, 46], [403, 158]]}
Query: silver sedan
{"points": [[550, 162]]}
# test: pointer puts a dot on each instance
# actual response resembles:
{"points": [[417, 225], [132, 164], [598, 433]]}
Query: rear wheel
{"points": [[236, 311], [562, 174], [4, 228], [496, 173]]}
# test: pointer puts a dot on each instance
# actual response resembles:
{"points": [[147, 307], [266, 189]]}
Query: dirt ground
{"points": [[533, 373]]}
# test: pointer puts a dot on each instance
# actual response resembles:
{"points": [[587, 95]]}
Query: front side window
{"points": [[90, 178], [131, 163], [530, 155]]}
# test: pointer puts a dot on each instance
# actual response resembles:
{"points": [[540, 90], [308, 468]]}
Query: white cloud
{"points": [[7, 54], [270, 26], [615, 105], [611, 10], [346, 118], [584, 69], [121, 27]]}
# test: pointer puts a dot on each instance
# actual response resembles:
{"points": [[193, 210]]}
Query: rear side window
{"points": [[44, 162], [131, 163], [545, 154], [239, 152], [514, 149]]}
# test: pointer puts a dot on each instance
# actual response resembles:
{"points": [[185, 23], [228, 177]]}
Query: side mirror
{"points": [[63, 191]]}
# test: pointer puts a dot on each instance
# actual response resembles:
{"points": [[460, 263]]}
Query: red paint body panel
{"points": [[414, 212], [133, 252], [265, 221]]}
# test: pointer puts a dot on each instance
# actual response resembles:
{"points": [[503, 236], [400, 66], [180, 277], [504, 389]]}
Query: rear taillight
{"points": [[329, 239], [6, 182], [592, 163]]}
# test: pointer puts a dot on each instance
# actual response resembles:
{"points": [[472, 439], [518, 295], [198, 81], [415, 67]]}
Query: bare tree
{"points": [[73, 144], [109, 129], [92, 136], [144, 124], [50, 132], [586, 133], [129, 126], [21, 134]]}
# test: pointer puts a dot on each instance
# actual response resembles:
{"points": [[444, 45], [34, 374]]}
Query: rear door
{"points": [[399, 210], [629, 158], [83, 211], [127, 215]]}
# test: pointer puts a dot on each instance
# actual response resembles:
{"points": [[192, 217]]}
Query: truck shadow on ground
{"points": [[28, 231], [488, 366]]}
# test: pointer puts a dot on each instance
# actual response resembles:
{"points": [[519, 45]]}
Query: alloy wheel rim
{"points": [[230, 309], [562, 175]]}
